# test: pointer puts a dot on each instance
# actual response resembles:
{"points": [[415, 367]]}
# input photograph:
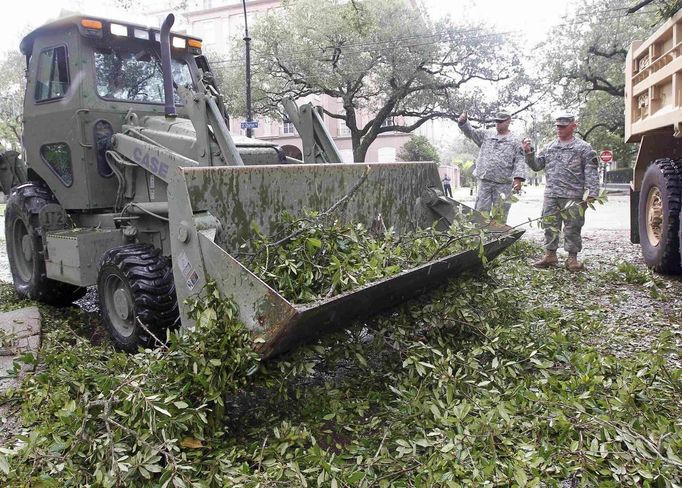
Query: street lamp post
{"points": [[247, 41]]}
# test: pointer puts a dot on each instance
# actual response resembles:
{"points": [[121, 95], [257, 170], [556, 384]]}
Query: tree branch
{"points": [[587, 133], [333, 115], [639, 6], [599, 84], [614, 52]]}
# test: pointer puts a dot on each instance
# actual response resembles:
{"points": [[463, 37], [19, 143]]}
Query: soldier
{"points": [[570, 166], [499, 161], [447, 187]]}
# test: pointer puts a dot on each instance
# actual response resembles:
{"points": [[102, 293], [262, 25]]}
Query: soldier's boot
{"points": [[548, 260], [572, 263]]}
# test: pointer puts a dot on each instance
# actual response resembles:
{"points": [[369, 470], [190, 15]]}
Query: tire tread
{"points": [[29, 198], [150, 277]]}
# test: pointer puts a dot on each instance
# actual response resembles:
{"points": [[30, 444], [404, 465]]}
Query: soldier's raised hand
{"points": [[462, 118], [527, 145]]}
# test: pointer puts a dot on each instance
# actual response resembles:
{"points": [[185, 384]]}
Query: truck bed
{"points": [[653, 83]]}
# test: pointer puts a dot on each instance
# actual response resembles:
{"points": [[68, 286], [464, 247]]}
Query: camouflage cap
{"points": [[502, 116], [564, 119]]}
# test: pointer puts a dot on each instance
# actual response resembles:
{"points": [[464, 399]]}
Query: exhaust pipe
{"points": [[166, 66]]}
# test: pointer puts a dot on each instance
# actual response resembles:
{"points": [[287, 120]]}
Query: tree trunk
{"points": [[359, 151]]}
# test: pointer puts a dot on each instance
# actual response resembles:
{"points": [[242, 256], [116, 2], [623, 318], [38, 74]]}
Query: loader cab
{"points": [[84, 75]]}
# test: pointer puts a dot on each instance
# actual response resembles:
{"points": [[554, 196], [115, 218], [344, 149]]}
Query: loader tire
{"points": [[659, 216], [25, 247], [135, 284]]}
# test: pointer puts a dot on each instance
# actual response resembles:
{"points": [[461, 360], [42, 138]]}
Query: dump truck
{"points": [[131, 181], [653, 118]]}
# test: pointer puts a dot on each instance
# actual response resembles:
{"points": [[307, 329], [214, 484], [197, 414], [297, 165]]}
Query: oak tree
{"points": [[390, 66]]}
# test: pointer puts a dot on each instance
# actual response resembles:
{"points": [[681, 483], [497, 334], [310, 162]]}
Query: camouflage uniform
{"points": [[570, 168], [500, 160]]}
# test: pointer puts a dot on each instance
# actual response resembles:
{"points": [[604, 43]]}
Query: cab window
{"points": [[58, 159], [52, 80], [135, 75]]}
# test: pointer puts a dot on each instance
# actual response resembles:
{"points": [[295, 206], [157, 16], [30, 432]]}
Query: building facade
{"points": [[218, 22]]}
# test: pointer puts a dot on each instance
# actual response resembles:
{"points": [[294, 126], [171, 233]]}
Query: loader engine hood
{"points": [[179, 135]]}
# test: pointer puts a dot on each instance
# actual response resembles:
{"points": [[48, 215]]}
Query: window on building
{"points": [[58, 158], [343, 130], [288, 127], [388, 122], [236, 24], [267, 127], [386, 155], [206, 29], [52, 80]]}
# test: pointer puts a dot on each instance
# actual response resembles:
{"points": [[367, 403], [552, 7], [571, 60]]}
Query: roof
{"points": [[26, 45]]}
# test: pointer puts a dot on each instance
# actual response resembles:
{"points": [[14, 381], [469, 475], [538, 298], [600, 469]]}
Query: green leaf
{"points": [[314, 242], [447, 447], [520, 477], [162, 410]]}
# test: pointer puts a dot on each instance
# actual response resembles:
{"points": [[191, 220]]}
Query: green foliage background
{"points": [[418, 148]]}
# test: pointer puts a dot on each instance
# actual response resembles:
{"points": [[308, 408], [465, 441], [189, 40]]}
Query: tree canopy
{"points": [[584, 60], [418, 148], [664, 8], [12, 82], [379, 57]]}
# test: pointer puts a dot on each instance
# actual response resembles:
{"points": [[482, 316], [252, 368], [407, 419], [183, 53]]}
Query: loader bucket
{"points": [[241, 197]]}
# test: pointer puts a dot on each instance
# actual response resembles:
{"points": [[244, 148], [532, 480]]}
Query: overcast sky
{"points": [[529, 19]]}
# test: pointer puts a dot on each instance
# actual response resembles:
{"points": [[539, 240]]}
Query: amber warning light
{"points": [[91, 24]]}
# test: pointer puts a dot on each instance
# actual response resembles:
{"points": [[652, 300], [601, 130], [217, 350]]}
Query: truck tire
{"points": [[135, 285], [25, 247], [659, 216]]}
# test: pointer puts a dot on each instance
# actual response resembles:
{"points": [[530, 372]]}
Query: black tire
{"points": [[659, 216], [135, 282], [25, 247]]}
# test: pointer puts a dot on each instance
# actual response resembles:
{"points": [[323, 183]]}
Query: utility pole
{"points": [[247, 41]]}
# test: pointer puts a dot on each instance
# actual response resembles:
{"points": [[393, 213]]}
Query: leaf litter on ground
{"points": [[491, 380]]}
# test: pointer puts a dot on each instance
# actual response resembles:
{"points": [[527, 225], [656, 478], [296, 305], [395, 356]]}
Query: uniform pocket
{"points": [[575, 165], [505, 152]]}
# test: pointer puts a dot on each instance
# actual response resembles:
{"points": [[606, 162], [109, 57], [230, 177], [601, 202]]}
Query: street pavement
{"points": [[614, 215]]}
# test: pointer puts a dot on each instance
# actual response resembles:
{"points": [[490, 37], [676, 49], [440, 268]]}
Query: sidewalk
{"points": [[613, 215]]}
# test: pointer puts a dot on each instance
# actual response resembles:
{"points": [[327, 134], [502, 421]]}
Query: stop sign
{"points": [[606, 156]]}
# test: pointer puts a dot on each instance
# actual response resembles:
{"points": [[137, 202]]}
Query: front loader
{"points": [[133, 182]]}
